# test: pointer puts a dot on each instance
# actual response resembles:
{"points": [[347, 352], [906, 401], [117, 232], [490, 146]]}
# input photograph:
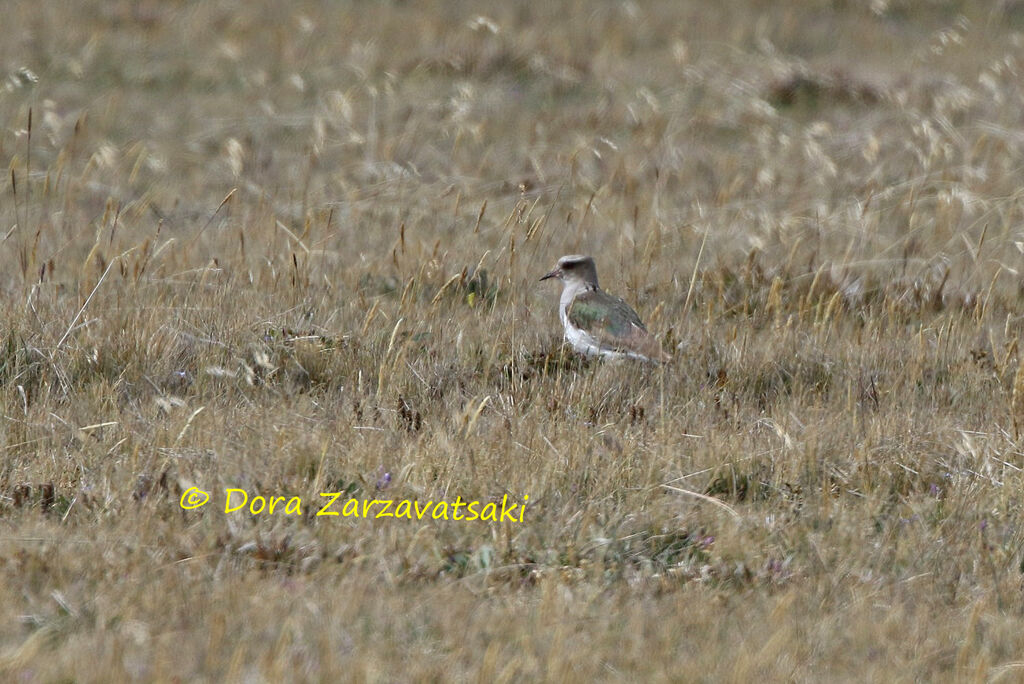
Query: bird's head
{"points": [[574, 268]]}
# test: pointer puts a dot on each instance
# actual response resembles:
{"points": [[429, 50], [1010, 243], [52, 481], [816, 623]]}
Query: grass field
{"points": [[293, 248]]}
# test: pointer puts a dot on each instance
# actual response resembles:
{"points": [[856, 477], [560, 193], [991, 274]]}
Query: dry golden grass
{"points": [[293, 248]]}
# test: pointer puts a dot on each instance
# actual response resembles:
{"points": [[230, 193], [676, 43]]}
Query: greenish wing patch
{"points": [[604, 316]]}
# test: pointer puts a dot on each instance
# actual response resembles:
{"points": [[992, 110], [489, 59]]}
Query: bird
{"points": [[597, 323]]}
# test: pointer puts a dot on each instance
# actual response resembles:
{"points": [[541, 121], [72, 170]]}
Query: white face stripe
{"points": [[576, 269]]}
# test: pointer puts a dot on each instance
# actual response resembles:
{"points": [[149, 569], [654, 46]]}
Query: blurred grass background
{"points": [[293, 248]]}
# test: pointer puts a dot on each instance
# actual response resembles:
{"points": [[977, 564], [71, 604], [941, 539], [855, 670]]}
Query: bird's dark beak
{"points": [[553, 274]]}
